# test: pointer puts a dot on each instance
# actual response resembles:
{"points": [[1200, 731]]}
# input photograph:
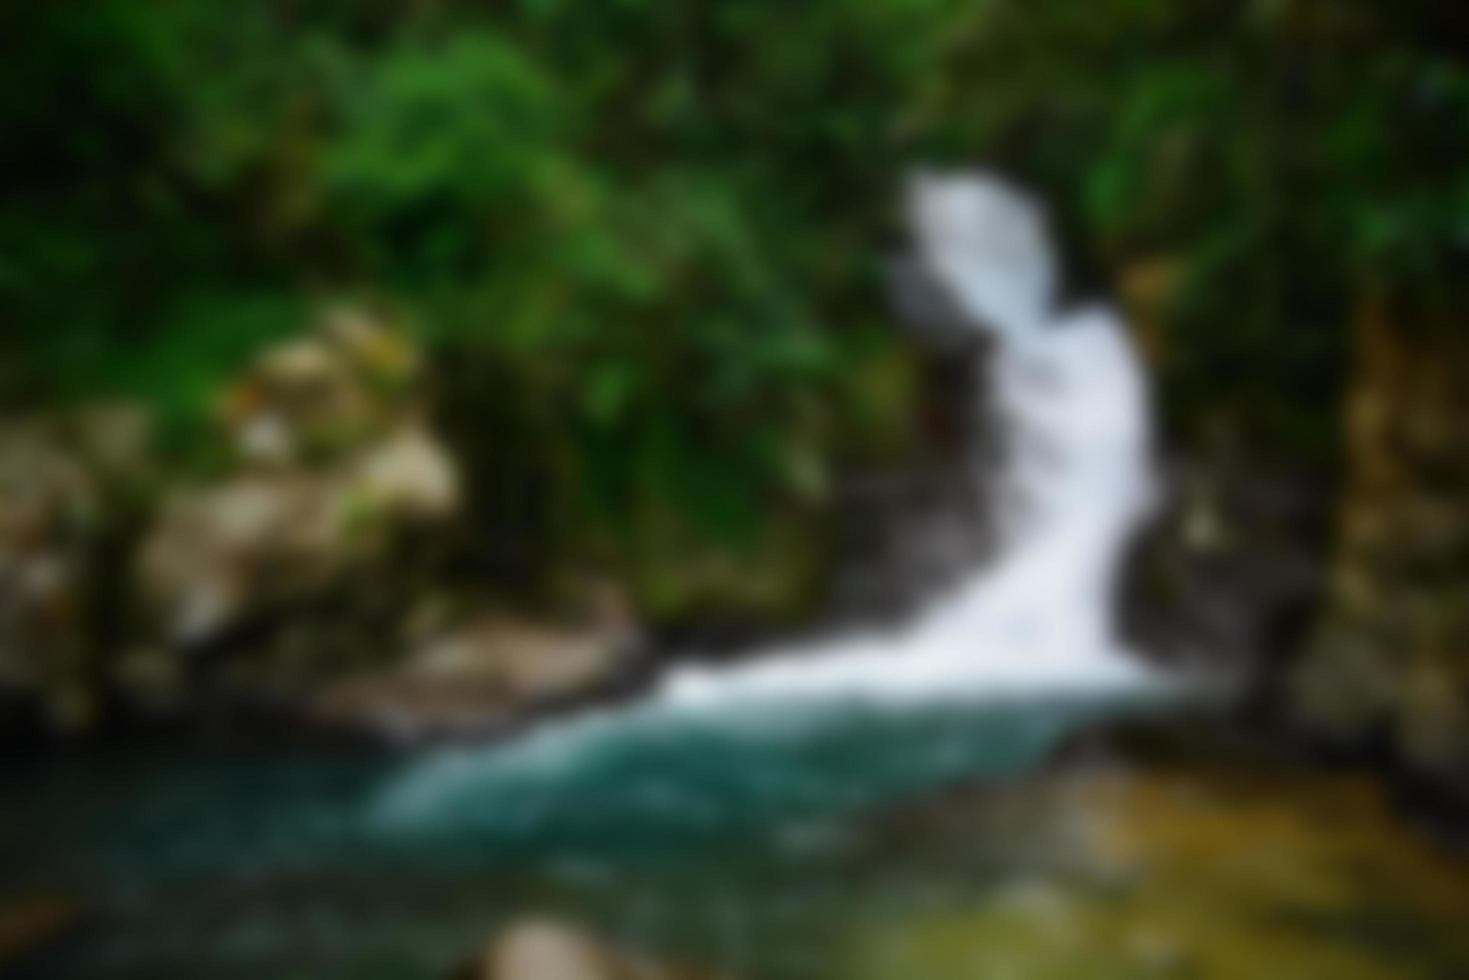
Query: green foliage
{"points": [[661, 224], [1287, 156]]}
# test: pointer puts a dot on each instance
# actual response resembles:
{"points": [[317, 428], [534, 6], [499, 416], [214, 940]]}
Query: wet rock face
{"points": [[1341, 602], [1225, 581], [1225, 578], [907, 533], [1389, 661]]}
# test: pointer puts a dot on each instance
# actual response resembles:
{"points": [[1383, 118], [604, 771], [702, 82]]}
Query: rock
{"points": [[541, 950], [320, 396], [1223, 583], [336, 469], [411, 475], [51, 509], [215, 554], [485, 673], [73, 485], [1147, 288], [301, 559], [547, 949], [26, 926], [1386, 665], [530, 660], [152, 678], [926, 308], [42, 483], [266, 439], [114, 438], [300, 398], [1155, 871], [378, 352]]}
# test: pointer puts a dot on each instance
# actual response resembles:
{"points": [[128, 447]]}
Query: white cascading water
{"points": [[1034, 623], [1071, 400]]}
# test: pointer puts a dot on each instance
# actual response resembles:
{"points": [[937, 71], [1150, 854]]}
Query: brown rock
{"points": [[546, 949], [486, 672], [26, 926], [408, 474], [51, 508], [529, 660], [214, 555], [1388, 655], [318, 397], [217, 554], [113, 438], [542, 949], [380, 353]]}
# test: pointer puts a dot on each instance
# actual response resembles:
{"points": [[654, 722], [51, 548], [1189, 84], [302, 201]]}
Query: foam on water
{"points": [[1034, 624]]}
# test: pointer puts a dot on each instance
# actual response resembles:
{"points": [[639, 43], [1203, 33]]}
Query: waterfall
{"points": [[1075, 479], [1033, 624]]}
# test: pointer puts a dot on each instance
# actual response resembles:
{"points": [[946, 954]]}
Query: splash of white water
{"points": [[1034, 623]]}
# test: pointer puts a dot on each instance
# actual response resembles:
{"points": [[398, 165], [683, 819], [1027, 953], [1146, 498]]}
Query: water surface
{"points": [[898, 847]]}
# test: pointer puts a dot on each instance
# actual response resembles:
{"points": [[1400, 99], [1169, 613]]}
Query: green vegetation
{"points": [[658, 227], [1207, 874]]}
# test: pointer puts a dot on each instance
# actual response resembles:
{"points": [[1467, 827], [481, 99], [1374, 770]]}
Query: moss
{"points": [[1207, 876]]}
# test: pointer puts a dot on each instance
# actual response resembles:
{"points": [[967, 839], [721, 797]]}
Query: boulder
{"points": [[51, 509], [1223, 582], [377, 352], [300, 399], [114, 439], [320, 396], [488, 671], [27, 925], [537, 949], [408, 474], [548, 949], [334, 469], [216, 554], [1386, 664]]}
